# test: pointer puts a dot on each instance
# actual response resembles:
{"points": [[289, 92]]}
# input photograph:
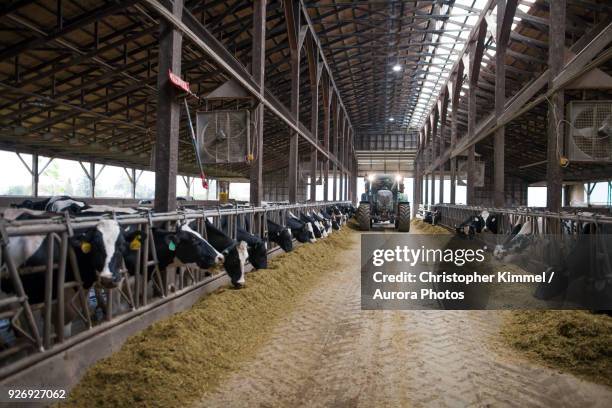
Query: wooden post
{"points": [[475, 59], [258, 71], [433, 131], [92, 178], [314, 71], [455, 93], [442, 108], [336, 129], [35, 175], [505, 16], [327, 96], [292, 20], [168, 113], [556, 49]]}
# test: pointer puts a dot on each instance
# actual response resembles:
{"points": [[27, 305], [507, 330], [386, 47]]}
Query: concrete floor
{"points": [[327, 352]]}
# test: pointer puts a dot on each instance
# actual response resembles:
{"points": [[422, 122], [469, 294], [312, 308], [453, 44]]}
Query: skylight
{"points": [[441, 58]]}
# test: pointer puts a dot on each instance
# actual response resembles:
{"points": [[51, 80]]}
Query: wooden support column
{"points": [[168, 113], [258, 70], [415, 189], [92, 178], [35, 175], [315, 68], [505, 16], [292, 20], [454, 94], [476, 53], [426, 196], [327, 96], [434, 131], [556, 49], [337, 113], [442, 108]]}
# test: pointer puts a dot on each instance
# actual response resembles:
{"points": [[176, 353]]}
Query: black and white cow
{"points": [[235, 252], [54, 204], [432, 217], [476, 224], [302, 231], [257, 248], [99, 251], [280, 235], [316, 227], [60, 204], [518, 240], [324, 221], [335, 218]]}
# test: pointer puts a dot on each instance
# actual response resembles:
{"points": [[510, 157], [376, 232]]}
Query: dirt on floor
{"points": [[327, 352], [574, 341], [175, 361]]}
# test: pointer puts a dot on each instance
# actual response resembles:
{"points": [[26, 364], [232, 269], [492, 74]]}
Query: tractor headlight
{"points": [[370, 177], [398, 177]]}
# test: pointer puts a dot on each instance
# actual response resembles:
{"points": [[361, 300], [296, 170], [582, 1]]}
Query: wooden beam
{"points": [[168, 113], [505, 15], [313, 71], [556, 106], [258, 63], [292, 20], [476, 53]]}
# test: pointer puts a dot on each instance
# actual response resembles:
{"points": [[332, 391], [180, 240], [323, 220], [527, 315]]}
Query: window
{"points": [[20, 180]]}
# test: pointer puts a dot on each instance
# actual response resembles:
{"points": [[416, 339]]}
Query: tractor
{"points": [[384, 201]]}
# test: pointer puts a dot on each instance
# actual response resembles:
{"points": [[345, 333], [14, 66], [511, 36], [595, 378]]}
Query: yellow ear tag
{"points": [[85, 247], [135, 244]]}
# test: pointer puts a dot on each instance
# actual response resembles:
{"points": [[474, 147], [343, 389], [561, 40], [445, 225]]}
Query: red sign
{"points": [[178, 82]]}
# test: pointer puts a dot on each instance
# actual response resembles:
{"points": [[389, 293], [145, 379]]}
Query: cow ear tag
{"points": [[135, 244], [172, 246], [85, 247]]}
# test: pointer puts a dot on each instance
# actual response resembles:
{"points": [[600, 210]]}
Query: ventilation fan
{"points": [[223, 136], [479, 170], [589, 137]]}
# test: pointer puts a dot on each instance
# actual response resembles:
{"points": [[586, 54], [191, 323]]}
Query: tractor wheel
{"points": [[403, 223], [363, 216]]}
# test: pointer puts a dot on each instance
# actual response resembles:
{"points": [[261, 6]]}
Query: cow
{"points": [[324, 221], [519, 238], [235, 252], [302, 231], [280, 235], [61, 204], [472, 225], [256, 247], [335, 218], [432, 217], [99, 252], [316, 227], [54, 204], [475, 224]]}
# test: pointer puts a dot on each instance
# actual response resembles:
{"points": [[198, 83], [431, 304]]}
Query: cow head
{"points": [[310, 232], [189, 246], [235, 260], [102, 249], [258, 255], [283, 238], [499, 252]]}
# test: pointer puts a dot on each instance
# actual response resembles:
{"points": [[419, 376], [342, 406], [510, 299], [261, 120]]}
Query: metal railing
{"points": [[38, 329]]}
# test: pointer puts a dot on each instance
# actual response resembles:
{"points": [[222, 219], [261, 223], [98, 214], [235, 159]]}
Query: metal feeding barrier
{"points": [[553, 237], [30, 333]]}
